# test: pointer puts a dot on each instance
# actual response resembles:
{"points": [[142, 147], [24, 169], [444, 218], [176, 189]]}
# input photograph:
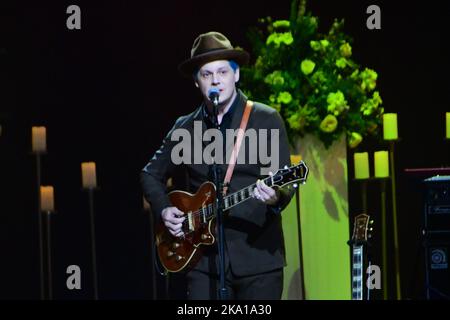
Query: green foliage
{"points": [[311, 79]]}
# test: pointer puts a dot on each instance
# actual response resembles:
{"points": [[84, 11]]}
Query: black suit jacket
{"points": [[253, 230]]}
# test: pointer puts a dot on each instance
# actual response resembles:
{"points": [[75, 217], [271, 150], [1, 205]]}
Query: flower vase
{"points": [[324, 220]]}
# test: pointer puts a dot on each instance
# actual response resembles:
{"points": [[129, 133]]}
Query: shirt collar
{"points": [[230, 111]]}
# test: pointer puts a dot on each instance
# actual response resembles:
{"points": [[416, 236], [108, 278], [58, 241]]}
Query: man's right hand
{"points": [[173, 219]]}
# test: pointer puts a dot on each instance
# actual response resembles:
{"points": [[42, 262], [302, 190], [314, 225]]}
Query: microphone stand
{"points": [[217, 175]]}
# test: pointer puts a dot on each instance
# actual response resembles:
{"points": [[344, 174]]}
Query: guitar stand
{"points": [[369, 264], [368, 246]]}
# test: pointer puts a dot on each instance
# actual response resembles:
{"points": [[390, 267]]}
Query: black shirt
{"points": [[226, 119], [223, 126]]}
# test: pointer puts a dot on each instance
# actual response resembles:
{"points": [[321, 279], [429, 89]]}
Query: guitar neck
{"points": [[233, 199], [281, 178], [243, 194], [357, 272]]}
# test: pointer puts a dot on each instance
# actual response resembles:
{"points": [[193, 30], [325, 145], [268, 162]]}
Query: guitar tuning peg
{"points": [[371, 222], [295, 185], [369, 236], [286, 167], [370, 229]]}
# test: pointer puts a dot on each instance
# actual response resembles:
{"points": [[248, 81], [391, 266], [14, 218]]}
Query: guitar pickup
{"points": [[190, 221], [203, 214]]}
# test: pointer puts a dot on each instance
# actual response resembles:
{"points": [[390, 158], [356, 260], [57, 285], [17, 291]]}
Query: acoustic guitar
{"points": [[175, 254]]}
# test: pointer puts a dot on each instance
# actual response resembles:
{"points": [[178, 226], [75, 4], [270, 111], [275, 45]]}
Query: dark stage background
{"points": [[109, 92]]}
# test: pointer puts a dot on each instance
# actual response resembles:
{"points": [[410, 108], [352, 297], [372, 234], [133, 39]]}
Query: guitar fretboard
{"points": [[233, 199], [357, 272], [243, 194]]}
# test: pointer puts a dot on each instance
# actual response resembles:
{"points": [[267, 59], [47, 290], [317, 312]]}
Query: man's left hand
{"points": [[266, 194]]}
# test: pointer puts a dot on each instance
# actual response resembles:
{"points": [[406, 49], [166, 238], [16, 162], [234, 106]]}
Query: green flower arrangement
{"points": [[311, 79]]}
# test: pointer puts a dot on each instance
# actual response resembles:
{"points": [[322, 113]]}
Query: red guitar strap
{"points": [[237, 145]]}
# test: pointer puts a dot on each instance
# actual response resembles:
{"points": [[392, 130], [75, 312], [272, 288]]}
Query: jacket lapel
{"points": [[198, 123]]}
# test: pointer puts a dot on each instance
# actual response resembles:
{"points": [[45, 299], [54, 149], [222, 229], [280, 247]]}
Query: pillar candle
{"points": [[361, 162], [88, 175], [47, 200], [38, 139], [447, 125], [390, 131], [381, 160]]}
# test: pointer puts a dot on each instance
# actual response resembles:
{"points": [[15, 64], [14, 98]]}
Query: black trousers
{"points": [[265, 286]]}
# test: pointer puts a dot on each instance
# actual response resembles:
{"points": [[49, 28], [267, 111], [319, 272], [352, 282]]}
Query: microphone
{"points": [[213, 95]]}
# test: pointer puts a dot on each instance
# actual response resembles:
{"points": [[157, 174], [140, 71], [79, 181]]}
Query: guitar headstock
{"points": [[292, 175], [361, 230]]}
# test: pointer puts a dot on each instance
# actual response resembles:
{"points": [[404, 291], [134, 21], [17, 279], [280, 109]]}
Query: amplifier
{"points": [[437, 271], [437, 237], [437, 204]]}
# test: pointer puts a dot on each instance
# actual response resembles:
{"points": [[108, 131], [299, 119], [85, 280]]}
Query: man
{"points": [[254, 244]]}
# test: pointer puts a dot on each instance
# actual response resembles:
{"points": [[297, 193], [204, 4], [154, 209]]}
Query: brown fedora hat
{"points": [[209, 47]]}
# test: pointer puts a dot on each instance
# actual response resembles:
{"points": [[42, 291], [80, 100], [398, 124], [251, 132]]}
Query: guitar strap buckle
{"points": [[225, 187]]}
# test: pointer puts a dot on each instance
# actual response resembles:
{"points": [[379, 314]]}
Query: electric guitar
{"points": [[174, 253], [359, 239]]}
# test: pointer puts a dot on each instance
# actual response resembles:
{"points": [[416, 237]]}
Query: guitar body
{"points": [[175, 253]]}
